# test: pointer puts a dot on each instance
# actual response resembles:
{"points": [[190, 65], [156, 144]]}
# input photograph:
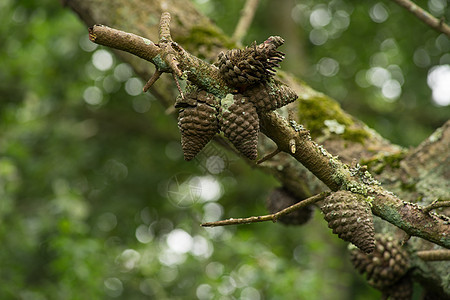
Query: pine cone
{"points": [[279, 199], [401, 290], [197, 122], [245, 67], [350, 217], [240, 123], [385, 265], [270, 95]]}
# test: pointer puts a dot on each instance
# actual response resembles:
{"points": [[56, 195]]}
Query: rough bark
{"points": [[425, 167]]}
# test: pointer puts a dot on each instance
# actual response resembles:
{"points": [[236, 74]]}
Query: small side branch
{"points": [[129, 42], [273, 217], [424, 16], [268, 156], [436, 204], [434, 255], [152, 80], [164, 27]]}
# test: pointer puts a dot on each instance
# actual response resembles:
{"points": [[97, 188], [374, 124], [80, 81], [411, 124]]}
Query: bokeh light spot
{"points": [[102, 60], [320, 17], [128, 259], [328, 67], [123, 72], [179, 241], [210, 188], [113, 287], [107, 221], [379, 13], [439, 82], [204, 292], [144, 234], [93, 95], [133, 86], [378, 76], [318, 36], [201, 247], [391, 89], [214, 270], [250, 293]]}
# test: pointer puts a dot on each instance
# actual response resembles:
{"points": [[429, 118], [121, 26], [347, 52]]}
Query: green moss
{"points": [[205, 36], [355, 135], [160, 63], [436, 136], [378, 163], [208, 83], [314, 111], [227, 101], [391, 214]]}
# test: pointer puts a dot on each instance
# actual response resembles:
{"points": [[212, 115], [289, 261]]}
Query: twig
{"points": [[425, 16], [178, 85], [268, 156], [436, 204], [247, 14], [152, 80], [433, 255], [120, 40], [273, 217], [164, 28]]}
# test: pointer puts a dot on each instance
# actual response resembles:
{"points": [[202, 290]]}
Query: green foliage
{"points": [[96, 201]]}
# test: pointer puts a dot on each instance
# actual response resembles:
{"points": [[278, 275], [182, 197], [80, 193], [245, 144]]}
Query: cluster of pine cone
{"points": [[385, 267], [249, 73]]}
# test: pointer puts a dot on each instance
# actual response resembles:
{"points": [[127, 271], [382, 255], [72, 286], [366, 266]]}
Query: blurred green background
{"points": [[96, 201]]}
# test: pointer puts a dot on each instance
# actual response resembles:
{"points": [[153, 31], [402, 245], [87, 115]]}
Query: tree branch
{"points": [[436, 204], [120, 40], [272, 217], [329, 169], [424, 16], [434, 255]]}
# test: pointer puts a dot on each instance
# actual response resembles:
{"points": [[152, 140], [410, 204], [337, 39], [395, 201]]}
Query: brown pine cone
{"points": [[270, 95], [240, 124], [350, 217], [245, 67], [385, 266], [198, 125], [279, 199], [401, 290]]}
